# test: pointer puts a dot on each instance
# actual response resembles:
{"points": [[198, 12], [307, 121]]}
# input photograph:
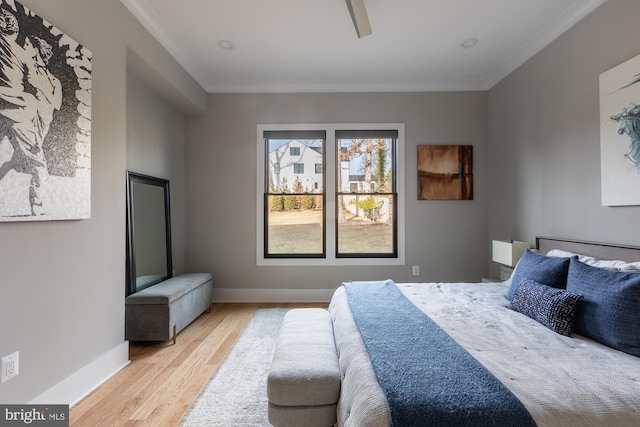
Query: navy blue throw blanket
{"points": [[426, 376]]}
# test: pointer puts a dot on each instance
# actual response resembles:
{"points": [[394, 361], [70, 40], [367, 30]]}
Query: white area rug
{"points": [[236, 394]]}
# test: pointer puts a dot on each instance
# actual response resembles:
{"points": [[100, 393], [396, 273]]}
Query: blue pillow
{"points": [[610, 312], [550, 271], [554, 308]]}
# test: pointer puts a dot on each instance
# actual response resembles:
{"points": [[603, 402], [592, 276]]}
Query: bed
{"points": [[586, 375]]}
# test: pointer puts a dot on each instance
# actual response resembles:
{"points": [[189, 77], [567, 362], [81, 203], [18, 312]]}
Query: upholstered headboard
{"points": [[598, 250]]}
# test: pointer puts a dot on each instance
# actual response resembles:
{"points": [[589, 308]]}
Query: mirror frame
{"points": [[137, 178]]}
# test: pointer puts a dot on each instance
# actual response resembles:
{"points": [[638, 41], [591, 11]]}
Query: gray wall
{"points": [[544, 136], [62, 303], [447, 239], [156, 147]]}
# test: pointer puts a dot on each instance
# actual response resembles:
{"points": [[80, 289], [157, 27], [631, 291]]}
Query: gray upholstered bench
{"points": [[303, 385], [159, 312]]}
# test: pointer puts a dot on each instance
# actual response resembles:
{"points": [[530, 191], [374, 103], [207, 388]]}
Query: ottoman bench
{"points": [[303, 385], [159, 312]]}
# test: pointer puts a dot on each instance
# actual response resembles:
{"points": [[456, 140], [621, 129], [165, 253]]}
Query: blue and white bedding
{"points": [[447, 387], [560, 380]]}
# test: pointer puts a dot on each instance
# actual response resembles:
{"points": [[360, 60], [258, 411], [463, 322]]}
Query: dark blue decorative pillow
{"points": [[554, 308], [610, 313], [550, 271]]}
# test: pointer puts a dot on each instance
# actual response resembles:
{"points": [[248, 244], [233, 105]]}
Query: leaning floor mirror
{"points": [[149, 259]]}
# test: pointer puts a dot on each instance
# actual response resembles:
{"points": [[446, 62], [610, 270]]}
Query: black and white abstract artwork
{"points": [[620, 134], [45, 120]]}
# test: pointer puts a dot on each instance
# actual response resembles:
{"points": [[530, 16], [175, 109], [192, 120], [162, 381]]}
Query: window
{"points": [[366, 194], [294, 220], [347, 208]]}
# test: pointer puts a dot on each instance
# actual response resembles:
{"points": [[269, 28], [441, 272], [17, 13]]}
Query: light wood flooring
{"points": [[163, 380]]}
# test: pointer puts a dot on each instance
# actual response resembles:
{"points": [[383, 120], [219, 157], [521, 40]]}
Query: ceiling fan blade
{"points": [[359, 16]]}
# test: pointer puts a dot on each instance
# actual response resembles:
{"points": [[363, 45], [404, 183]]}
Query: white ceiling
{"points": [[312, 46]]}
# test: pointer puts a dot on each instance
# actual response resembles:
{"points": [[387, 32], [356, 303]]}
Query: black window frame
{"points": [[393, 194], [293, 135], [330, 219]]}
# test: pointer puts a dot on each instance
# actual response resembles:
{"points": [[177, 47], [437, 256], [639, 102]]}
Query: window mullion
{"points": [[330, 193]]}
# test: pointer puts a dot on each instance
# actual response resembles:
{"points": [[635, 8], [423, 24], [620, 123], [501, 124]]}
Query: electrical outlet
{"points": [[10, 367], [416, 270]]}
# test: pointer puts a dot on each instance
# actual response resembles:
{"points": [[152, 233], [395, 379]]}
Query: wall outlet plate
{"points": [[9, 367]]}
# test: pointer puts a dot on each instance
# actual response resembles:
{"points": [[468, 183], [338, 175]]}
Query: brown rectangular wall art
{"points": [[445, 172]]}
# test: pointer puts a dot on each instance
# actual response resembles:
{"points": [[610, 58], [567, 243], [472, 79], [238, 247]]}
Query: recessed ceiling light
{"points": [[226, 45], [468, 43]]}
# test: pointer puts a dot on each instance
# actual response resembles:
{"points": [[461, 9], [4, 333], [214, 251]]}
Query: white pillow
{"points": [[615, 265]]}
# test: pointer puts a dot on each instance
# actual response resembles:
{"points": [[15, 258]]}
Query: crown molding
{"points": [[544, 37], [143, 12]]}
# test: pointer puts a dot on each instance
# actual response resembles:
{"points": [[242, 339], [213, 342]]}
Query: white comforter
{"points": [[562, 381]]}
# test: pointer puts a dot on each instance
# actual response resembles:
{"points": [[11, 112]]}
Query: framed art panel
{"points": [[620, 134], [45, 120], [445, 172]]}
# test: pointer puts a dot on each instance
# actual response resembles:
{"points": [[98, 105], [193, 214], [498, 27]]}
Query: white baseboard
{"points": [[75, 387], [271, 295]]}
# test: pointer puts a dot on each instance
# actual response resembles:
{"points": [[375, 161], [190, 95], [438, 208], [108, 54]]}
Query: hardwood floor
{"points": [[163, 380]]}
